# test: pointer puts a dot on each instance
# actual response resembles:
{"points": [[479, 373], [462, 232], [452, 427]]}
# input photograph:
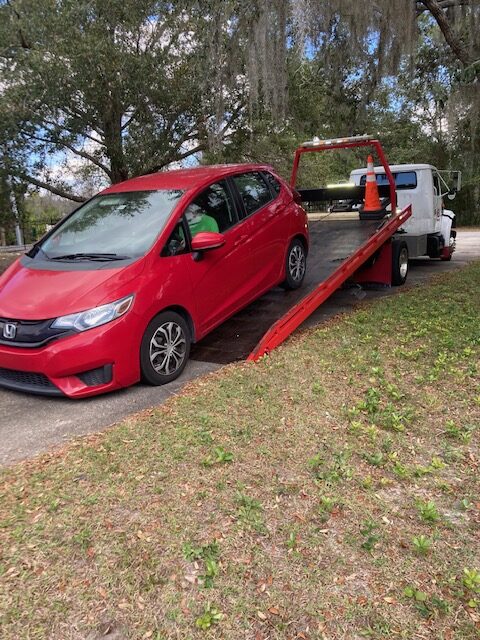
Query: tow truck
{"points": [[431, 229], [359, 247]]}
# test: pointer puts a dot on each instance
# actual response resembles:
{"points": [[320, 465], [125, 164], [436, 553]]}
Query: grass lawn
{"points": [[330, 491]]}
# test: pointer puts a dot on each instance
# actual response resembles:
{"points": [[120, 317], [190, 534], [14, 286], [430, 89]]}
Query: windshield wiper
{"points": [[102, 257]]}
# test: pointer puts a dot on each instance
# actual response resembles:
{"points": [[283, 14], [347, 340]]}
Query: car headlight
{"points": [[94, 317]]}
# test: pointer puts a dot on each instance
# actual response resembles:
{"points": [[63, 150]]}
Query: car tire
{"points": [[399, 263], [295, 265], [165, 348]]}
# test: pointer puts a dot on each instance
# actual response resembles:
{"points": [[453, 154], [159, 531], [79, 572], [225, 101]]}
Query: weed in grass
{"points": [[465, 504], [327, 504], [393, 391], [471, 580], [250, 512], [369, 527], [204, 552], [318, 389], [371, 403], [335, 470], [376, 459], [422, 544], [204, 437], [209, 617], [428, 511], [211, 571], [400, 470], [83, 538], [209, 554], [367, 482], [463, 433], [425, 605], [219, 456], [292, 540]]}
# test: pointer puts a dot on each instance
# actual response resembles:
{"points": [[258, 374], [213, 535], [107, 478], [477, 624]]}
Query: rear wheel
{"points": [[451, 244], [399, 263], [296, 264], [165, 348]]}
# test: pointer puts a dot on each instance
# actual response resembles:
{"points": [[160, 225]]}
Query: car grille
{"points": [[31, 333], [27, 381]]}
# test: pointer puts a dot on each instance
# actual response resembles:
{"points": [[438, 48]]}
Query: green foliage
{"points": [[422, 544], [428, 511], [209, 617]]}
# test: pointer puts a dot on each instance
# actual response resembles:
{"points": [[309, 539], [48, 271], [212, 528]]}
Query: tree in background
{"points": [[96, 92]]}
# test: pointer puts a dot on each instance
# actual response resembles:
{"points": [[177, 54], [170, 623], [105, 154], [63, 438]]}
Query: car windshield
{"points": [[113, 226]]}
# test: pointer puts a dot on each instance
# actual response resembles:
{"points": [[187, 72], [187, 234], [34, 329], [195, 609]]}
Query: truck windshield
{"points": [[403, 179], [112, 226]]}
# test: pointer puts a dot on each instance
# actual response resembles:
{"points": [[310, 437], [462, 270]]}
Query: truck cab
{"points": [[431, 229]]}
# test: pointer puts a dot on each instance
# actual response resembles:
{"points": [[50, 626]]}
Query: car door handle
{"points": [[240, 240]]}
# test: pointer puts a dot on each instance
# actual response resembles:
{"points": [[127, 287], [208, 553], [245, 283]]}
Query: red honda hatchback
{"points": [[120, 288]]}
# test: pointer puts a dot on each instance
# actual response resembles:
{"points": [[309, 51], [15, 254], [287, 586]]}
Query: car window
{"points": [[436, 184], [212, 210], [177, 242], [403, 179], [253, 190], [273, 182]]}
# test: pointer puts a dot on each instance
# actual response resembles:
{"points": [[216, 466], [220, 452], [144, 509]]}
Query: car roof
{"points": [[185, 179]]}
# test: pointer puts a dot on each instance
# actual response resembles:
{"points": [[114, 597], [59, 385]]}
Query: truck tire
{"points": [[451, 244], [399, 262]]}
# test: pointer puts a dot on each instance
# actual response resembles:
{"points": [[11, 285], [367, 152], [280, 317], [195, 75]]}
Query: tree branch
{"points": [[455, 44], [176, 158], [50, 187], [444, 4], [79, 152]]}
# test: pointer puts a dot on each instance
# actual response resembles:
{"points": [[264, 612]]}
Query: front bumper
{"points": [[78, 366]]}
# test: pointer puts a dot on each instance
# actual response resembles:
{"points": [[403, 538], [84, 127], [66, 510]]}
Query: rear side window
{"points": [[253, 191], [403, 179], [273, 183]]}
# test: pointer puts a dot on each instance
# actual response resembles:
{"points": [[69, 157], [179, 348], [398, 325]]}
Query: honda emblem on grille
{"points": [[9, 331]]}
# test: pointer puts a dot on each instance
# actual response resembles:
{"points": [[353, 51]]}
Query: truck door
{"points": [[437, 201]]}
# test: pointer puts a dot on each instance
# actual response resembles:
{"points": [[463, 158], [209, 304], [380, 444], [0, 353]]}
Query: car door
{"points": [[221, 278], [265, 207]]}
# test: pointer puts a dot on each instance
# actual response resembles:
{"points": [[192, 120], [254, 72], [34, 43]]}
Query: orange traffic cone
{"points": [[372, 199], [372, 207]]}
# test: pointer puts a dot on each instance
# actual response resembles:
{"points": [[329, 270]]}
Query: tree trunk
{"points": [[113, 140]]}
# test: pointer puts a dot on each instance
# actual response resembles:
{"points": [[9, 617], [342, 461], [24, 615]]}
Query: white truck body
{"points": [[422, 186]]}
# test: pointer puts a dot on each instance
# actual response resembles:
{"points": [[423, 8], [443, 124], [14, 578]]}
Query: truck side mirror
{"points": [[456, 181]]}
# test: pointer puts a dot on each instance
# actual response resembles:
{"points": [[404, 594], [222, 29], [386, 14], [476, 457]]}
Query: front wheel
{"points": [[296, 265], [165, 348], [399, 263]]}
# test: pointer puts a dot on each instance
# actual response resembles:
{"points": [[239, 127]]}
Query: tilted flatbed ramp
{"points": [[337, 249]]}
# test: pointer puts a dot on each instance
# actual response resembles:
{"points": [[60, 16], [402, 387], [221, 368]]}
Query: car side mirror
{"points": [[207, 241]]}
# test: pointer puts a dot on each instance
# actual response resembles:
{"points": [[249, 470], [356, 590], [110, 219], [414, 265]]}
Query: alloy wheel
{"points": [[296, 263], [167, 348]]}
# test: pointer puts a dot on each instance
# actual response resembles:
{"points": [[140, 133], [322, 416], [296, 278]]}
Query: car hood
{"points": [[39, 294]]}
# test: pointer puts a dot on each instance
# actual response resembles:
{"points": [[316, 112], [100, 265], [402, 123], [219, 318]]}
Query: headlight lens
{"points": [[94, 317]]}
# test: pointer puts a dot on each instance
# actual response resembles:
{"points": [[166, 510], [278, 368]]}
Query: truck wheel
{"points": [[296, 264], [165, 348], [399, 263], [451, 246]]}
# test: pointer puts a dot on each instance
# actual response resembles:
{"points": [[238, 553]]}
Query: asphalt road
{"points": [[30, 424]]}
